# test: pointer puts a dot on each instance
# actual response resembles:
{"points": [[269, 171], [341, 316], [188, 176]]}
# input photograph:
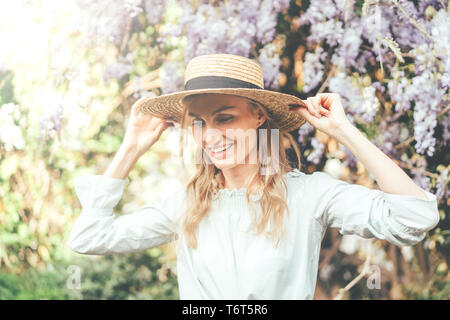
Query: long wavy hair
{"points": [[208, 179]]}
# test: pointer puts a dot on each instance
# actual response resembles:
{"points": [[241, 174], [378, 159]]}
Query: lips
{"points": [[221, 149], [220, 153]]}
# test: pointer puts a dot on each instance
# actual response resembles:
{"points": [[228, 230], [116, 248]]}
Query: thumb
{"points": [[164, 125], [301, 110]]}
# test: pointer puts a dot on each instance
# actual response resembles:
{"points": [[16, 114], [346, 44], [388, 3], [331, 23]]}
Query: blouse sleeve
{"points": [[98, 231], [354, 209]]}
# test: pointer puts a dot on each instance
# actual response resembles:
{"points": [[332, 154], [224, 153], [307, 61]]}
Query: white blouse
{"points": [[231, 263]]}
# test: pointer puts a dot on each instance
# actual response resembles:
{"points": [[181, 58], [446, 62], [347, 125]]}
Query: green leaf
{"points": [[8, 167]]}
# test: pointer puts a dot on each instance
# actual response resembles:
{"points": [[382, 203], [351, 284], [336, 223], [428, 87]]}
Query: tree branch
{"points": [[365, 271]]}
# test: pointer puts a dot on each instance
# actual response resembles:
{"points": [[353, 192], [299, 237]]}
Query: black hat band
{"points": [[210, 82]]}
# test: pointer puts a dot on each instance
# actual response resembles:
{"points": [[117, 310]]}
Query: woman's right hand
{"points": [[143, 130]]}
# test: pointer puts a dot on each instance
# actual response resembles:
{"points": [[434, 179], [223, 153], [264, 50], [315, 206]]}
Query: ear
{"points": [[261, 118]]}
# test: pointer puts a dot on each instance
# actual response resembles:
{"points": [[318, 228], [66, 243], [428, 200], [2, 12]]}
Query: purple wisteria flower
{"points": [[421, 32], [357, 101], [317, 150], [154, 10], [304, 131], [313, 69], [107, 19], [442, 189], [446, 129], [232, 27], [172, 77], [120, 68], [270, 64]]}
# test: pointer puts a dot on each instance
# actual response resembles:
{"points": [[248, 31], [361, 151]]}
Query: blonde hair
{"points": [[208, 179]]}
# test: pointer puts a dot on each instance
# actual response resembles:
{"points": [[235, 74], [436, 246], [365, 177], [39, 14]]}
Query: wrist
{"points": [[346, 133], [123, 162], [130, 149]]}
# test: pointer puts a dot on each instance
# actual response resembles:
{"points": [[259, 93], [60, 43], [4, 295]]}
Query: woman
{"points": [[248, 227]]}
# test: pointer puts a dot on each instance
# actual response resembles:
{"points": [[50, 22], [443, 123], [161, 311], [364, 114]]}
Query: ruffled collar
{"points": [[241, 192], [237, 193], [294, 173]]}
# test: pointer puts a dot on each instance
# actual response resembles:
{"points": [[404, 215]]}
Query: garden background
{"points": [[70, 71]]}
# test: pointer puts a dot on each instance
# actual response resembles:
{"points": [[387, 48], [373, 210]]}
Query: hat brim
{"points": [[170, 106]]}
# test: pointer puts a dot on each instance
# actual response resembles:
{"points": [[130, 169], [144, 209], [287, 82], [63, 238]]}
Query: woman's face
{"points": [[221, 124]]}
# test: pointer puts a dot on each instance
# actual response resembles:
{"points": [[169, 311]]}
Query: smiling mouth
{"points": [[217, 150]]}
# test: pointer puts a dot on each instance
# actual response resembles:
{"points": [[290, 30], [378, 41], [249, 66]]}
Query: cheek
{"points": [[197, 135], [247, 143]]}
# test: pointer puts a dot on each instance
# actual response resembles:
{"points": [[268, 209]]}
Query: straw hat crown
{"points": [[226, 74], [226, 65]]}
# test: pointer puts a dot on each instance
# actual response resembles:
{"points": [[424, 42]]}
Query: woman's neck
{"points": [[235, 178]]}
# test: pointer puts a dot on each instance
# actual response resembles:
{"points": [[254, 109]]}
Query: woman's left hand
{"points": [[324, 112]]}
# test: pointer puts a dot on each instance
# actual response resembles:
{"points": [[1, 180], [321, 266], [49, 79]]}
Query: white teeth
{"points": [[222, 149]]}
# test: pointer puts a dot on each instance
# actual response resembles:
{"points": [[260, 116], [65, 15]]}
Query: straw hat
{"points": [[225, 74]]}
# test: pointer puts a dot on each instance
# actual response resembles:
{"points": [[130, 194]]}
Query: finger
{"points": [[137, 106], [324, 111], [322, 105], [304, 112], [154, 123], [324, 100], [316, 103], [328, 98], [134, 109], [312, 107], [163, 126], [169, 124]]}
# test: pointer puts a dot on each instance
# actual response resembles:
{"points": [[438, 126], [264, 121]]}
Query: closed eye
{"points": [[222, 120]]}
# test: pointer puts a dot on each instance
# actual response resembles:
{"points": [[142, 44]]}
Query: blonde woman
{"points": [[247, 225]]}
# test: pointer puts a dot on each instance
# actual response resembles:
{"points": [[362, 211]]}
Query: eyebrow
{"points": [[218, 110]]}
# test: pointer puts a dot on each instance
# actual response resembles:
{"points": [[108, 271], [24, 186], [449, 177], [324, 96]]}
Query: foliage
{"points": [[32, 285], [118, 277]]}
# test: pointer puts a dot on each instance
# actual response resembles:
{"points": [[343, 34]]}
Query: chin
{"points": [[233, 160], [224, 166]]}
